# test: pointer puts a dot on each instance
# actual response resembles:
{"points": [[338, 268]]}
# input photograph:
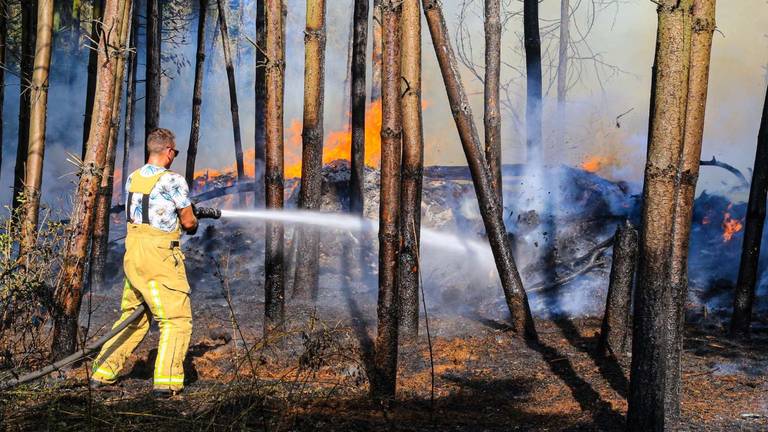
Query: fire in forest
{"points": [[730, 225], [594, 164]]}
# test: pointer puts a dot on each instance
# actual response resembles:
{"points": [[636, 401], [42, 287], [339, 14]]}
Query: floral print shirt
{"points": [[170, 194]]}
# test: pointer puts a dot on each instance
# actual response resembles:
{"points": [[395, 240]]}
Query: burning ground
{"points": [[314, 375]]}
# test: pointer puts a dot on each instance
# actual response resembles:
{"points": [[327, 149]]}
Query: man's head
{"points": [[161, 145]]}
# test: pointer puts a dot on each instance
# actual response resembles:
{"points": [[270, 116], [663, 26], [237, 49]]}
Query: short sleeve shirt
{"points": [[170, 194]]}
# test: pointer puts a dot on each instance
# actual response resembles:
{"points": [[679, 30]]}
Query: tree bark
{"points": [[33, 178], [129, 134], [28, 26], [412, 169], [490, 208], [197, 95], [100, 241], [753, 233], [68, 293], [533, 104], [274, 289], [90, 86], [492, 117], [383, 385], [357, 109], [3, 49], [680, 90], [153, 71], [308, 246], [232, 93], [376, 26], [562, 62], [615, 334], [260, 94]]}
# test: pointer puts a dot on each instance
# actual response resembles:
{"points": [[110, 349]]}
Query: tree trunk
{"points": [[383, 384], [562, 63], [100, 241], [376, 52], [153, 71], [680, 90], [38, 111], [90, 86], [28, 28], [533, 105], [68, 294], [413, 167], [492, 117], [129, 136], [3, 49], [753, 234], [490, 208], [357, 109], [308, 246], [197, 95], [223, 6], [615, 334], [260, 93], [274, 289]]}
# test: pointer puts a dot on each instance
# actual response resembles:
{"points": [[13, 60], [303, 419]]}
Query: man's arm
{"points": [[188, 219]]}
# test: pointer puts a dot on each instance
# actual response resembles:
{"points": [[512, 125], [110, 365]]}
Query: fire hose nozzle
{"points": [[207, 213]]}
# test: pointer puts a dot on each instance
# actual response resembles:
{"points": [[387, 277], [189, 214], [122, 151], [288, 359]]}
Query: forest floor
{"points": [[313, 377]]}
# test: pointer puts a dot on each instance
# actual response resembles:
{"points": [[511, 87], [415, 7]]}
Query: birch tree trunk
{"points": [[357, 109], [68, 293], [376, 26], [308, 248], [100, 241], [533, 104], [197, 95], [412, 169], [38, 112], [490, 208], [385, 358], [90, 86], [223, 6], [274, 288], [28, 28], [129, 131], [153, 71], [260, 94], [753, 233], [679, 97], [492, 117]]}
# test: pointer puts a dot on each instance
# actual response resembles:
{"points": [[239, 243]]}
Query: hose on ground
{"points": [[77, 355]]}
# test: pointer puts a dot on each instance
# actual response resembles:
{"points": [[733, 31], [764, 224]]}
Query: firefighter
{"points": [[158, 208]]}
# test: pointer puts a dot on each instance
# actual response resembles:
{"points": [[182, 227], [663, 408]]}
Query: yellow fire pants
{"points": [[154, 275]]}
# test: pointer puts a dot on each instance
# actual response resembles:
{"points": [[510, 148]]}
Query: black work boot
{"points": [[164, 393]]}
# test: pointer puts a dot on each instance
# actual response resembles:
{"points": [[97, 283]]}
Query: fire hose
{"points": [[200, 213]]}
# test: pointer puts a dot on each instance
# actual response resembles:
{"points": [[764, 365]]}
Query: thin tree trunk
{"points": [[90, 86], [753, 233], [274, 288], [413, 166], [153, 71], [197, 95], [37, 120], [223, 6], [100, 241], [533, 105], [68, 294], [562, 62], [383, 384], [615, 334], [492, 117], [3, 49], [680, 89], [376, 54], [348, 77], [129, 136], [357, 109], [260, 94], [308, 246], [28, 26], [490, 208]]}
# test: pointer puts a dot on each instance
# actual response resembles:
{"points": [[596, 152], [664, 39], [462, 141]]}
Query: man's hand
{"points": [[188, 219]]}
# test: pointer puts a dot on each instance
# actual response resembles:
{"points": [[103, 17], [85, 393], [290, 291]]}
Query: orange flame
{"points": [[594, 164], [730, 225]]}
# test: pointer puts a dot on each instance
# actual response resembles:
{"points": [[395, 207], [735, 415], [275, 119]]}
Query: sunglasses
{"points": [[175, 152]]}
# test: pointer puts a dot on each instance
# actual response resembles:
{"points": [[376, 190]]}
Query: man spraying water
{"points": [[158, 208]]}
